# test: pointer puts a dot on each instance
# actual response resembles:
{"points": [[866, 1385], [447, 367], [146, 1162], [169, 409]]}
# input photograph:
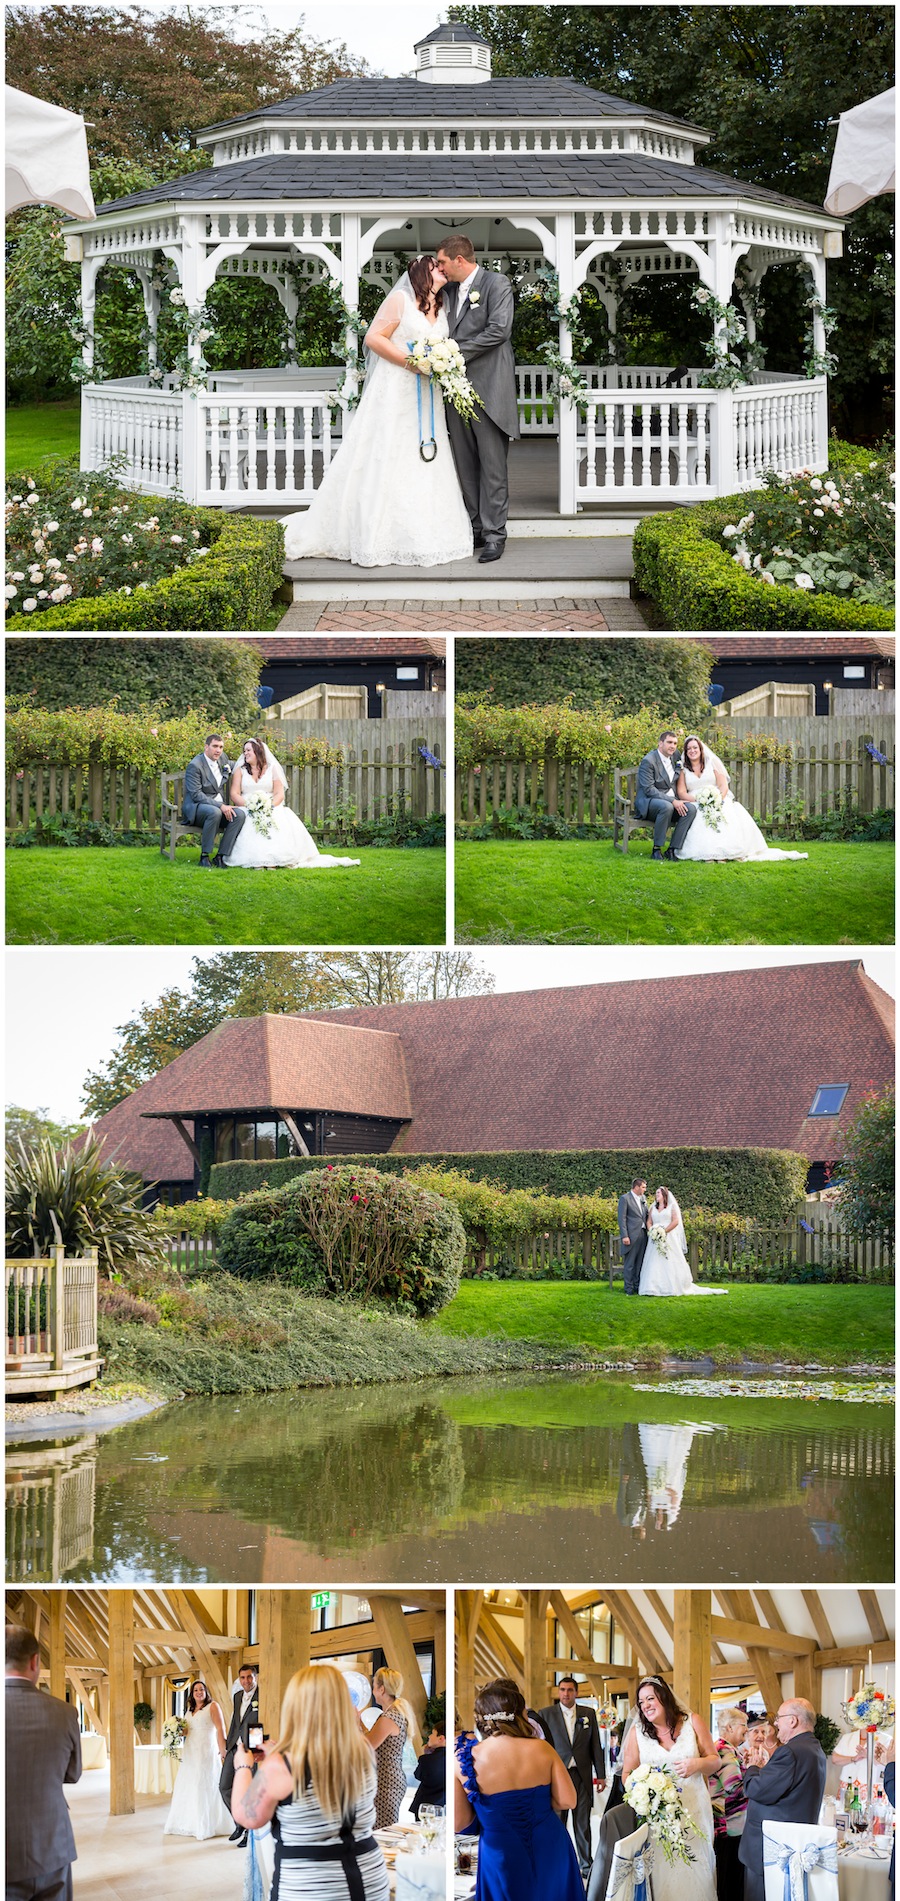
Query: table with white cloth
{"points": [[93, 1750], [862, 1878], [154, 1771]]}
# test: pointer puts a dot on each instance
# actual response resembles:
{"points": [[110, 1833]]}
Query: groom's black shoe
{"points": [[205, 863], [492, 550], [218, 863], [236, 1834], [656, 853], [670, 855]]}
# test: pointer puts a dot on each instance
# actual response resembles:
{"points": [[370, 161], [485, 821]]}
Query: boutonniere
{"points": [[474, 297]]}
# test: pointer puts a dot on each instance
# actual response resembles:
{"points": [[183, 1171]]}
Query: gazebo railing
{"points": [[140, 428]]}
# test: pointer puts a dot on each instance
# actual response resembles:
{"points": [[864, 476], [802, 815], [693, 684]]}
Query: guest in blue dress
{"points": [[513, 1787]]}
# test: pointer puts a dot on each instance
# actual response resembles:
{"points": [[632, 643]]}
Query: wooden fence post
{"points": [[865, 784], [58, 1308]]}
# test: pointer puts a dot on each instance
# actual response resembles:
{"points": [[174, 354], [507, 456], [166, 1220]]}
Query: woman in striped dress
{"points": [[387, 1737], [317, 1788]]}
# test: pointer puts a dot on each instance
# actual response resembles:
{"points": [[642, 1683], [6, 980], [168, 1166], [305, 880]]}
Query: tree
{"points": [[767, 82], [280, 982], [32, 1126], [867, 1193]]}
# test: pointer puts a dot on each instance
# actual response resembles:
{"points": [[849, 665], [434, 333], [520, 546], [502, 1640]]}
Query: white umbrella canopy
{"points": [[863, 162], [46, 156]]}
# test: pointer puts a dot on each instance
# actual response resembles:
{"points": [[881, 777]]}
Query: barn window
{"points": [[829, 1099]]}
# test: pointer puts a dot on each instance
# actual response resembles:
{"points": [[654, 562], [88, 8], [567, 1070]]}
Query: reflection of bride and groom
{"points": [[413, 484], [654, 1244], [246, 801], [653, 1474]]}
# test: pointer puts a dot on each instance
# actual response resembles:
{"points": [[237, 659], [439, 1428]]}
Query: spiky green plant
{"points": [[71, 1198]]}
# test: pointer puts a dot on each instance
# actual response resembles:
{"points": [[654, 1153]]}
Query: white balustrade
{"points": [[279, 140], [631, 445], [139, 428], [781, 427], [277, 446]]}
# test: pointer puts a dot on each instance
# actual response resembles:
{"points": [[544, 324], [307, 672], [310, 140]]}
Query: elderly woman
{"points": [[729, 1805]]}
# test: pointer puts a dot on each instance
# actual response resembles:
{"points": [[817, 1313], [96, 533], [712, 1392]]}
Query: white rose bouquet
{"points": [[260, 812], [444, 358], [174, 1732], [660, 1238], [656, 1799], [710, 806]]}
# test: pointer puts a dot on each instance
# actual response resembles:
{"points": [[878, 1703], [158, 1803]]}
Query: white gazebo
{"points": [[333, 184]]}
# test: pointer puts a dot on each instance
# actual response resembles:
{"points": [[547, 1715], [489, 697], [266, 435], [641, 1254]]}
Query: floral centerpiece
{"points": [[709, 805], [174, 1732], [656, 1799], [260, 812], [869, 1709], [660, 1238], [444, 358]]}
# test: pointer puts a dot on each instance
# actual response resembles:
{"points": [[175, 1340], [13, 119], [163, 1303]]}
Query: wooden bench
{"points": [[172, 825], [625, 819]]}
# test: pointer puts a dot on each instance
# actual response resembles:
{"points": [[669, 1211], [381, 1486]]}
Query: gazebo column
{"points": [[350, 270], [567, 414], [192, 270], [719, 278], [121, 1702], [90, 271]]}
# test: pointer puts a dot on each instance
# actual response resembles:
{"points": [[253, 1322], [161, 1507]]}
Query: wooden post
{"points": [[57, 1315], [57, 1601], [693, 1636], [121, 1702], [468, 1607], [394, 1638], [440, 1652], [283, 1619], [534, 1648]]}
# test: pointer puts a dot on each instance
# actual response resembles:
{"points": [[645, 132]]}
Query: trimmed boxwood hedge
{"points": [[681, 561], [765, 1184], [229, 589]]}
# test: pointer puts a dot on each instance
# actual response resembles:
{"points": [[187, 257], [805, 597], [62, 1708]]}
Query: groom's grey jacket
{"points": [[632, 1217], [201, 784], [653, 780], [483, 332]]}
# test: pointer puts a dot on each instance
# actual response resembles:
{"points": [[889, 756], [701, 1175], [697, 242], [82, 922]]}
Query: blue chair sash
{"points": [[798, 1864], [635, 1866]]}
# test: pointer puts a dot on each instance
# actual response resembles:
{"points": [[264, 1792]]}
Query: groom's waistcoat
{"points": [[483, 332], [200, 782]]}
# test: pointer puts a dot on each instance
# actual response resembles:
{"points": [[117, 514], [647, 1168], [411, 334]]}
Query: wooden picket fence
{"points": [[821, 776], [51, 1322], [376, 780], [768, 1251]]}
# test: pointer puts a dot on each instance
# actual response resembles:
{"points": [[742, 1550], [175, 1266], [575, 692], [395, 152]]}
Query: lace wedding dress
{"points": [[738, 836], [668, 1272], [288, 843], [197, 1808], [379, 504], [680, 1880]]}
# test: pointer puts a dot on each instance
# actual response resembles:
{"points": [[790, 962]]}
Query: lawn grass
{"points": [[583, 891], [40, 429], [119, 895], [835, 1326]]}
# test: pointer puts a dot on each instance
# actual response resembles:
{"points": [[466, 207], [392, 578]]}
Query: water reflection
{"points": [[547, 1477]]}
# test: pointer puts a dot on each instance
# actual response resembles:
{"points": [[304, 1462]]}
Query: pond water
{"points": [[526, 1478]]}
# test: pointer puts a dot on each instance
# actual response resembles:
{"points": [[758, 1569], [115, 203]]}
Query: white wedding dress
{"points": [[669, 1273], [288, 843], [197, 1808], [738, 836], [380, 505], [682, 1880]]}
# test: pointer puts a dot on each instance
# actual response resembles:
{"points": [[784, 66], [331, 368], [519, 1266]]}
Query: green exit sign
{"points": [[322, 1599]]}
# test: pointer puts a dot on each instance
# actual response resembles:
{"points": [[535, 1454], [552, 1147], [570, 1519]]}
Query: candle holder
{"points": [[869, 1711]]}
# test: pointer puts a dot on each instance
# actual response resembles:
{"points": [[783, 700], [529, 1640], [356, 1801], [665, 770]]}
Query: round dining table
{"points": [[154, 1771], [93, 1750], [863, 1877]]}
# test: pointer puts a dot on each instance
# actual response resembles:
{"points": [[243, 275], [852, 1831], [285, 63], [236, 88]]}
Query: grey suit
{"points": [[655, 798], [582, 1756], [615, 1825], [238, 1732], [480, 448], [633, 1229], [43, 1751], [202, 805], [789, 1789]]}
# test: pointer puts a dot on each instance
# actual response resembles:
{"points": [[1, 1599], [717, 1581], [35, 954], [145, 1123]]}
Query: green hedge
{"points": [[681, 561], [178, 674], [765, 1184], [228, 589], [626, 673]]}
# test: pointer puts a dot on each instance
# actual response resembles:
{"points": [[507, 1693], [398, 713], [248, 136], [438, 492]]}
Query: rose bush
{"points": [[74, 535], [826, 534]]}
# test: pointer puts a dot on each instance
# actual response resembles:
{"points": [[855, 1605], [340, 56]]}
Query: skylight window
{"points": [[829, 1099]]}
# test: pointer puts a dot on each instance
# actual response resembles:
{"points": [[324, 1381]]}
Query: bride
{"points": [[667, 1736], [197, 1808], [279, 837], [664, 1269], [737, 834], [380, 503]]}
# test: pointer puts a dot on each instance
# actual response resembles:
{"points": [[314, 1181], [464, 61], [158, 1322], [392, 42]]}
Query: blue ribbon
{"points": [[797, 1863], [426, 442], [634, 1865]]}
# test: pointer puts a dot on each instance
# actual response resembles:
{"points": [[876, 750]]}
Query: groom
{"points": [[655, 798], [203, 802], [633, 1233], [480, 310], [244, 1712]]}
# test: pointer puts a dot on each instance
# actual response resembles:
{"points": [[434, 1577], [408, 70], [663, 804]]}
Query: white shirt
{"points": [[218, 775], [569, 1717], [246, 1700], [464, 288], [670, 769]]}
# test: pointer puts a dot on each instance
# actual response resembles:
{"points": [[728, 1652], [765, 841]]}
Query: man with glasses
{"points": [[788, 1787]]}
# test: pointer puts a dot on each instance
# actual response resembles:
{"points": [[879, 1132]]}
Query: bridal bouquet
{"points": [[710, 804], [174, 1732], [261, 811], [660, 1238], [656, 1798], [444, 358]]}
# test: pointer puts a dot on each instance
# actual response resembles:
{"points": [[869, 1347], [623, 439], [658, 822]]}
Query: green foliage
{"points": [[818, 533], [174, 675], [826, 1733], [601, 738], [143, 1715], [72, 1198], [620, 675], [72, 537], [354, 1233], [764, 1184], [435, 1715], [33, 1126], [867, 1171], [81, 735]]}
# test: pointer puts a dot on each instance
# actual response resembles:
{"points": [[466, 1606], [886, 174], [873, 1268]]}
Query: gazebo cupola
{"points": [[451, 54]]}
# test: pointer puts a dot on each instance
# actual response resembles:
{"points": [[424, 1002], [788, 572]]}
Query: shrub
{"points": [[624, 674], [867, 1187], [171, 676], [71, 1198], [601, 738], [764, 1184], [820, 535], [117, 1304], [145, 741], [352, 1232], [73, 536]]}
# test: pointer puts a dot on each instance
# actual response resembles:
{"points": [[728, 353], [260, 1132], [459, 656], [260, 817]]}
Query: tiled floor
{"points": [[127, 1857]]}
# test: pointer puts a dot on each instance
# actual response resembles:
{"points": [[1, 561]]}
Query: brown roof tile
{"points": [[284, 1062], [797, 646], [344, 646]]}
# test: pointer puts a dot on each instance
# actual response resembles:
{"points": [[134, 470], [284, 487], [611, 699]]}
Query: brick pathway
{"points": [[464, 617]]}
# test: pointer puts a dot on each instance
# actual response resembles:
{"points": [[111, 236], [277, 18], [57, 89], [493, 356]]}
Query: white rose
{"points": [[10, 593], [29, 605], [671, 1797], [177, 298], [804, 580], [730, 530], [766, 576], [820, 512], [97, 545], [50, 527], [816, 484]]}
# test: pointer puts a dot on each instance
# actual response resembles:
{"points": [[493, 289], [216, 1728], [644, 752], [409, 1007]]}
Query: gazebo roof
{"points": [[350, 100], [451, 30], [457, 176]]}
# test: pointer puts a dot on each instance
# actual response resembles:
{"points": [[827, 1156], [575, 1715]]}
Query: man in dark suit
{"points": [[787, 1788], [205, 785], [244, 1713], [655, 796], [574, 1735], [43, 1751], [480, 308], [633, 1232]]}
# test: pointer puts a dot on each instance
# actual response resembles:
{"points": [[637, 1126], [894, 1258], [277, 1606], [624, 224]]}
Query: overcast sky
{"points": [[63, 1006], [384, 36]]}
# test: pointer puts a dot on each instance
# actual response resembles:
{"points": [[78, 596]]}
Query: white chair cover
{"points": [[863, 162], [629, 1874], [46, 156], [799, 1862]]}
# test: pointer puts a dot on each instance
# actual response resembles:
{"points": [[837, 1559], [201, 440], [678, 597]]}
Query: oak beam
{"points": [[691, 1672], [121, 1702], [283, 1619], [396, 1641]]}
